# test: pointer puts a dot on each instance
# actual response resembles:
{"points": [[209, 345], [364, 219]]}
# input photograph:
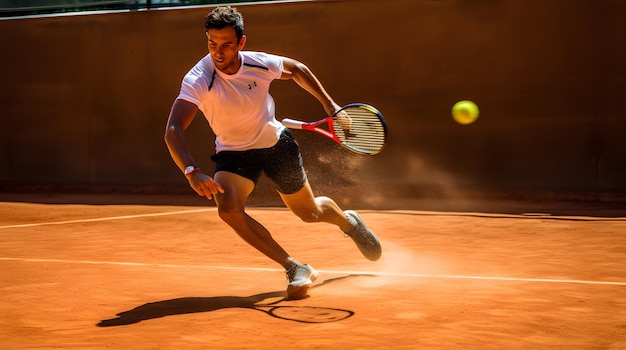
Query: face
{"points": [[224, 49]]}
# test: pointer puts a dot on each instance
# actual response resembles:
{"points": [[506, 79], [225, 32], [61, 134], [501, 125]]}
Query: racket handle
{"points": [[292, 124]]}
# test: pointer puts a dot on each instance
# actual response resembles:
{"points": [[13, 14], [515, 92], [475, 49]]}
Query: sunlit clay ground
{"points": [[78, 276]]}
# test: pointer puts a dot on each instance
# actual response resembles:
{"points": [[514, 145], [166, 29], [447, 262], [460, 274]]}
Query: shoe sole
{"points": [[296, 293], [302, 291], [371, 253]]}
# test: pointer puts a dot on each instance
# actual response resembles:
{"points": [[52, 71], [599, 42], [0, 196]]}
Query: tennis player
{"points": [[231, 89]]}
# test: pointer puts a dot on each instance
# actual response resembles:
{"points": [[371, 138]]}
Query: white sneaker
{"points": [[364, 238], [300, 276]]}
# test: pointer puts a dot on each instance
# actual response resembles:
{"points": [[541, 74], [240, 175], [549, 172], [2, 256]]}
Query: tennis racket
{"points": [[358, 127]]}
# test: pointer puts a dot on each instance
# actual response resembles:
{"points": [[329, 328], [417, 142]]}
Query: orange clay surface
{"points": [[114, 276]]}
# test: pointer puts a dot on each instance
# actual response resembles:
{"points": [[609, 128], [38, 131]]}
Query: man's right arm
{"points": [[181, 116]]}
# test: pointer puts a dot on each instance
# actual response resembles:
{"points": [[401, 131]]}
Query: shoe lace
{"points": [[354, 232], [291, 272]]}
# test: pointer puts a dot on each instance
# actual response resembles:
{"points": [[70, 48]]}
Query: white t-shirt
{"points": [[238, 107]]}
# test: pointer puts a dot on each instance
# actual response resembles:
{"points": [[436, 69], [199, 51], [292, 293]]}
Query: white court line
{"points": [[124, 217], [334, 272]]}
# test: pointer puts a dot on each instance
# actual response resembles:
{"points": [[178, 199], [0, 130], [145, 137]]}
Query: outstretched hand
{"points": [[204, 185], [344, 120], [346, 123]]}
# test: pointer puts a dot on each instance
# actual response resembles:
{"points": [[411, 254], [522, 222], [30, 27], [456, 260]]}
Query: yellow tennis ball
{"points": [[465, 112]]}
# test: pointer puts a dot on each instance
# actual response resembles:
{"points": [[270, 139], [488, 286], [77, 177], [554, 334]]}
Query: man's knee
{"points": [[309, 216], [229, 211], [315, 211]]}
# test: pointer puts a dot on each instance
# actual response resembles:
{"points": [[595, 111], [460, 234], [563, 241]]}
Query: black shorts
{"points": [[281, 163]]}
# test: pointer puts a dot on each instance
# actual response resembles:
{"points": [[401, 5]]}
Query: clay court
{"points": [[508, 233], [111, 276]]}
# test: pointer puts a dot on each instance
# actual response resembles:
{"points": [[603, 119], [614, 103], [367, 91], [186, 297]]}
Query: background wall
{"points": [[85, 98]]}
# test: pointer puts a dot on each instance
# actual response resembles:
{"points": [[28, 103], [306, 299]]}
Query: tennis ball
{"points": [[465, 112]]}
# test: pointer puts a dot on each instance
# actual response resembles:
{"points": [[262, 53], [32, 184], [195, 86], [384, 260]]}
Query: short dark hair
{"points": [[224, 16]]}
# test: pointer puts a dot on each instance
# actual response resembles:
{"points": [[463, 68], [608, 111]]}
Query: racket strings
{"points": [[366, 133]]}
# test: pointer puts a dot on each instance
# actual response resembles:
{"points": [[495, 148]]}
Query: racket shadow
{"points": [[190, 305]]}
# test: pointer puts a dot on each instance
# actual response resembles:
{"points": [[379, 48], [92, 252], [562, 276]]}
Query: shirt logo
{"points": [[252, 85]]}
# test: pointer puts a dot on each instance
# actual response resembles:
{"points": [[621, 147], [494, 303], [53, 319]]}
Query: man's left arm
{"points": [[302, 75]]}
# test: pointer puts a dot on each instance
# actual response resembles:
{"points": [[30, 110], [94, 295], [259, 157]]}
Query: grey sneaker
{"points": [[364, 238], [300, 276]]}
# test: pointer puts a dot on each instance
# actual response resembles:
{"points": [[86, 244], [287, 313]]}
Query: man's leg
{"points": [[323, 209], [231, 209], [315, 209]]}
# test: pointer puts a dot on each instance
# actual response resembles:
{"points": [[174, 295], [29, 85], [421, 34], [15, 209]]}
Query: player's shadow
{"points": [[186, 305], [189, 305]]}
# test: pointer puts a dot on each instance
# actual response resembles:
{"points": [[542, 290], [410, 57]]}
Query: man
{"points": [[231, 88]]}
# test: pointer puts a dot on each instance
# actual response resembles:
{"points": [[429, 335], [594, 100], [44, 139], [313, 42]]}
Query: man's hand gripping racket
{"points": [[358, 127]]}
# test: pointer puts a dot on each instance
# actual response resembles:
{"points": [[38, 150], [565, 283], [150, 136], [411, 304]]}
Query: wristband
{"points": [[190, 169]]}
